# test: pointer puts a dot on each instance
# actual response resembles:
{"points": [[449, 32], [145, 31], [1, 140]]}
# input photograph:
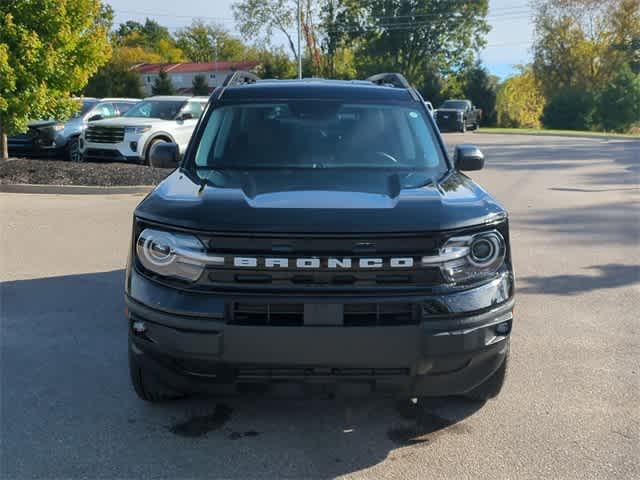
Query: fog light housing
{"points": [[133, 146], [139, 326], [503, 328]]}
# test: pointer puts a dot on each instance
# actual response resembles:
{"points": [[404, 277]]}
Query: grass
{"points": [[563, 133]]}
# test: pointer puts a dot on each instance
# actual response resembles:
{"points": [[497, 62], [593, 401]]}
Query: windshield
{"points": [[319, 135], [163, 109], [83, 107], [455, 104]]}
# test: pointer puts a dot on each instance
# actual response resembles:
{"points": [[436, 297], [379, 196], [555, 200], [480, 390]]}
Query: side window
{"points": [[124, 107], [194, 108], [105, 109]]}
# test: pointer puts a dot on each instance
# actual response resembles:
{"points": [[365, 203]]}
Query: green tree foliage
{"points": [[48, 50], [581, 46], [482, 89], [276, 64], [413, 37], [202, 42], [199, 85], [520, 102], [163, 85], [114, 80], [570, 108], [147, 42], [618, 105], [259, 19]]}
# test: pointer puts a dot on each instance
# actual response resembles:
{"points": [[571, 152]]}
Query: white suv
{"points": [[154, 120]]}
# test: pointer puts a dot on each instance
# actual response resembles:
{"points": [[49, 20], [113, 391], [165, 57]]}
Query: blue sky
{"points": [[508, 42]]}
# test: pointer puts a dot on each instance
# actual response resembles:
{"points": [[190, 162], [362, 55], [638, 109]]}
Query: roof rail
{"points": [[393, 79], [396, 80], [239, 77]]}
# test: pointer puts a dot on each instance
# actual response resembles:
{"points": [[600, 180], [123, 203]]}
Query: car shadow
{"points": [[598, 277], [68, 409]]}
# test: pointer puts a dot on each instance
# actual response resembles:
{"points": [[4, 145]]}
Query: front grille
{"points": [[102, 154], [98, 134], [247, 373], [353, 315]]}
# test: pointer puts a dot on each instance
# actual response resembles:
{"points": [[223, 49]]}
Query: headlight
{"points": [[176, 255], [471, 257], [58, 127], [137, 130]]}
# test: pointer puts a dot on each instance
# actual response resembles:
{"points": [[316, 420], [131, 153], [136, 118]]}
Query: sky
{"points": [[508, 43]]}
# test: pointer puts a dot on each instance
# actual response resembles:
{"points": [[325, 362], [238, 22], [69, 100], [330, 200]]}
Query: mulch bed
{"points": [[52, 172]]}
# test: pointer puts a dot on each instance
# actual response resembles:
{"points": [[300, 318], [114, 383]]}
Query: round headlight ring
{"points": [[491, 243], [159, 248]]}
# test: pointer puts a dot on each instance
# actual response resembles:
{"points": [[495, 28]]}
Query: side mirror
{"points": [[468, 157], [164, 155], [185, 116], [93, 118]]}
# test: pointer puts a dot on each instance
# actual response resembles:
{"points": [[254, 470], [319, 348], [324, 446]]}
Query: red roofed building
{"points": [[182, 74]]}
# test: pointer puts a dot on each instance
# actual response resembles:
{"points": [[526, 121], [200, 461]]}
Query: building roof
{"points": [[193, 67]]}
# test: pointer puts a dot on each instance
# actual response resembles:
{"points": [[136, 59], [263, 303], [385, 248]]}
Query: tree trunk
{"points": [[4, 151]]}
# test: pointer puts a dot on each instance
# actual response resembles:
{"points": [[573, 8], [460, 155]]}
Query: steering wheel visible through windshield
{"points": [[312, 134]]}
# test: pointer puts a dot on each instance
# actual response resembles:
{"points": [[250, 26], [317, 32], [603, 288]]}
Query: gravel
{"points": [[51, 172]]}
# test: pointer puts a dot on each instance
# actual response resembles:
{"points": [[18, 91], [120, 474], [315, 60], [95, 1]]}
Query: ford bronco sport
{"points": [[317, 231]]}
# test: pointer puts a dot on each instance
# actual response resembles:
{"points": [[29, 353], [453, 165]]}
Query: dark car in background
{"points": [[60, 139], [318, 231], [458, 116]]}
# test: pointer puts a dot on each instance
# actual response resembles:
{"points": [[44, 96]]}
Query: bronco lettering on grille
{"points": [[330, 262]]}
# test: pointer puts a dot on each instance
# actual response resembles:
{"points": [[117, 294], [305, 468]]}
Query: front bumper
{"points": [[189, 343], [130, 149], [449, 123]]}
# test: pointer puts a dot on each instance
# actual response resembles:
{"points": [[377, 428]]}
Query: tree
{"points": [[520, 102], [148, 39], [618, 105], [163, 85], [570, 108], [200, 85], [203, 42], [48, 50], [583, 43], [258, 19], [482, 89], [276, 64], [414, 38], [114, 80]]}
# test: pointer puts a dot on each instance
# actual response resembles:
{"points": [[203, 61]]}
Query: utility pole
{"points": [[299, 22]]}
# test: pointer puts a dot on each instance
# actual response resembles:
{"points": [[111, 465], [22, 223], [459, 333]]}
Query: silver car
{"points": [[53, 137]]}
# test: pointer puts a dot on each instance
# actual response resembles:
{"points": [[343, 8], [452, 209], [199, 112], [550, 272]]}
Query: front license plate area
{"points": [[323, 314]]}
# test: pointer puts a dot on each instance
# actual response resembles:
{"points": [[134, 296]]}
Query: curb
{"points": [[73, 189], [565, 135]]}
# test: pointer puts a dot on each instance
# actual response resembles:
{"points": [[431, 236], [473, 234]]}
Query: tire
{"points": [[147, 157], [491, 387], [73, 151], [147, 386]]}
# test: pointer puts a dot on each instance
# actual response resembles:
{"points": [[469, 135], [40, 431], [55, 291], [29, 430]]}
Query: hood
{"points": [[42, 123], [263, 202], [130, 122]]}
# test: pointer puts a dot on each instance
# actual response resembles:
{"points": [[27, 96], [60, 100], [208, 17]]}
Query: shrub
{"points": [[618, 106], [569, 109]]}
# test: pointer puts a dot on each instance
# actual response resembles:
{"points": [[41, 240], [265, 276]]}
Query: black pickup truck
{"points": [[458, 116], [317, 231]]}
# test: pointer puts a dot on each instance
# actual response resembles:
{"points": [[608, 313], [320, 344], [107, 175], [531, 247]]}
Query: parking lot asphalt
{"points": [[570, 408]]}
